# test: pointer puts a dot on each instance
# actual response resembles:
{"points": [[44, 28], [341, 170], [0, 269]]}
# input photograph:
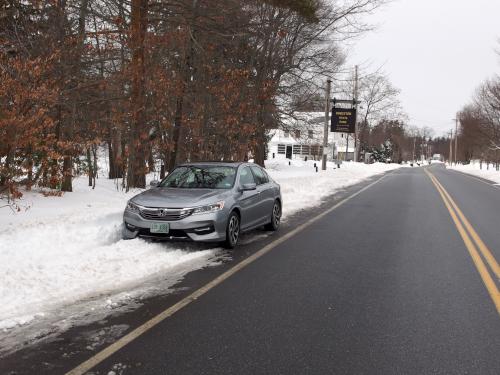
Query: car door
{"points": [[248, 200], [266, 194]]}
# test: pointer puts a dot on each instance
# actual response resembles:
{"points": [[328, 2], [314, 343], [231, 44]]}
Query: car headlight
{"points": [[209, 208], [132, 207]]}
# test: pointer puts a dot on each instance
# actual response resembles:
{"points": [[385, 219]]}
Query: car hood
{"points": [[178, 198]]}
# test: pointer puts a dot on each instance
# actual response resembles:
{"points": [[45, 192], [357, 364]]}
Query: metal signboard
{"points": [[343, 120]]}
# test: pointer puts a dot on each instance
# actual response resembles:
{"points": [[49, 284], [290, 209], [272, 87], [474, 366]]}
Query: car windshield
{"points": [[201, 177]]}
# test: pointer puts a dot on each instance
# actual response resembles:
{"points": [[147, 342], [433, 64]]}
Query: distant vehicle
{"points": [[207, 202], [436, 158]]}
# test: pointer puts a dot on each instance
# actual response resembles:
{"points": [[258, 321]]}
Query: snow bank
{"points": [[58, 264], [65, 250], [474, 169]]}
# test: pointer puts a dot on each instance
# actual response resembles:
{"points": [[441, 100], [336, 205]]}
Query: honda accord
{"points": [[207, 202]]}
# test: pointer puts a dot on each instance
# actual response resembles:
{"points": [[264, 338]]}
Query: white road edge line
{"points": [[120, 343]]}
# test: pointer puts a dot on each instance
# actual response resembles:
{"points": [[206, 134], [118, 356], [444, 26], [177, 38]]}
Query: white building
{"points": [[302, 137]]}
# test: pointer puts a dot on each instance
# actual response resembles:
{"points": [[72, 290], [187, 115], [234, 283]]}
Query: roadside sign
{"points": [[343, 120]]}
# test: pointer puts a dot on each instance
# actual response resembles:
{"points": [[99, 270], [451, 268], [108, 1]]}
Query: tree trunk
{"points": [[261, 139], [89, 164], [67, 170], [260, 148], [29, 184], [162, 171], [111, 161], [74, 59], [54, 164], [136, 174], [94, 175], [67, 174], [175, 134], [186, 76], [116, 156]]}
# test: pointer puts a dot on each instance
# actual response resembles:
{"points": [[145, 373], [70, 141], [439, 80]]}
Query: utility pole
{"points": [[327, 117], [456, 139], [356, 140], [451, 147]]}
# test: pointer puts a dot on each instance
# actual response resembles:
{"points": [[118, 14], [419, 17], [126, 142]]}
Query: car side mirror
{"points": [[154, 183], [248, 187]]}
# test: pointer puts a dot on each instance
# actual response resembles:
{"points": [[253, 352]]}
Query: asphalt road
{"points": [[383, 284]]}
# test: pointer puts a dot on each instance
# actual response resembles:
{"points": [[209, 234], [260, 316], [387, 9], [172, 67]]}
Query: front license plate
{"points": [[159, 228]]}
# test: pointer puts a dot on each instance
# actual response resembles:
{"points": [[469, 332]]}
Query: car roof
{"points": [[214, 163], [234, 164]]}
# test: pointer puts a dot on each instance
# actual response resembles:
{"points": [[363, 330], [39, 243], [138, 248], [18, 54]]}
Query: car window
{"points": [[246, 176], [260, 176], [269, 179], [192, 177]]}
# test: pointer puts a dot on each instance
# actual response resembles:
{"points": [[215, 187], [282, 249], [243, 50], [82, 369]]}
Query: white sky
{"points": [[436, 51]]}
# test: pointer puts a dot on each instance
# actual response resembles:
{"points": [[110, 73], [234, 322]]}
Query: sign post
{"points": [[356, 134], [325, 133]]}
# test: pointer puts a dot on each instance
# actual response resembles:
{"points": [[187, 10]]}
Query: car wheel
{"points": [[232, 231], [275, 217]]}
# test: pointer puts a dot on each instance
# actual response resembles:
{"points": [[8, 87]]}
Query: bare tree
{"points": [[487, 101]]}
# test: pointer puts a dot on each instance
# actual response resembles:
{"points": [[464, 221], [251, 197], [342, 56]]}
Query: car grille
{"points": [[164, 214], [173, 234]]}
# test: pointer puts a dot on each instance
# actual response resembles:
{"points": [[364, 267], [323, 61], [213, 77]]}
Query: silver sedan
{"points": [[208, 202]]}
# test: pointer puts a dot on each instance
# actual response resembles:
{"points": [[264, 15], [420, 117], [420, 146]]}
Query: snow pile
{"points": [[474, 168], [302, 187], [60, 273], [65, 250]]}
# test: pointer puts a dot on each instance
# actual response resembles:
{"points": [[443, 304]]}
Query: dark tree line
{"points": [[479, 131], [157, 82]]}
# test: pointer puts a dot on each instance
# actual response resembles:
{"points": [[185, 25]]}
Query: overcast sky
{"points": [[436, 51]]}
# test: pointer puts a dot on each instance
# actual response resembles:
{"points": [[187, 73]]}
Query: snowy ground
{"points": [[65, 250], [474, 168], [63, 262]]}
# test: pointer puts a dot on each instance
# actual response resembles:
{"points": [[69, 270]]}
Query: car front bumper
{"points": [[207, 227]]}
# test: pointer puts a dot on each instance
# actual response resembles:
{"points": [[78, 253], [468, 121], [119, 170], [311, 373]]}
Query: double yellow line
{"points": [[473, 243]]}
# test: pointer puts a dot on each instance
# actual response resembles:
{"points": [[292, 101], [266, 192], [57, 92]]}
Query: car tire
{"points": [[233, 230], [275, 217]]}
